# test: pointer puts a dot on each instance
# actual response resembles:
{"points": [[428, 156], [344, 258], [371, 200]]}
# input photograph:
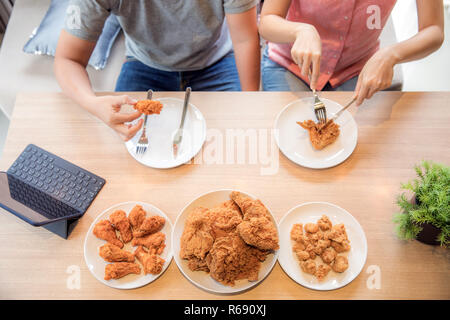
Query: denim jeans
{"points": [[221, 76], [277, 78]]}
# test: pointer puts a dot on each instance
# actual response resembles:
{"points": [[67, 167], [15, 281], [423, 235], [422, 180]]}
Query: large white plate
{"points": [[200, 278], [160, 131], [311, 212], [294, 141], [96, 264]]}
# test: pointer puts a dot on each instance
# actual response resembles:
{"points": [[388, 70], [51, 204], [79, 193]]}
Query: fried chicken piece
{"points": [[113, 253], [150, 225], [326, 136], [149, 106], [197, 238], [302, 255], [340, 264], [308, 266], [257, 229], [196, 264], [152, 263], [120, 222], [231, 259], [121, 269], [224, 220], [324, 223], [320, 246], [105, 231], [322, 271], [153, 242], [328, 255], [137, 216], [337, 233], [341, 247], [297, 232], [311, 227]]}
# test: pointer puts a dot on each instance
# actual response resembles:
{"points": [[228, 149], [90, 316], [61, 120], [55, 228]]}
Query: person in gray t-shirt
{"points": [[170, 44]]}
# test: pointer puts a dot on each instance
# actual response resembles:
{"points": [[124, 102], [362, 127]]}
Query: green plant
{"points": [[432, 191]]}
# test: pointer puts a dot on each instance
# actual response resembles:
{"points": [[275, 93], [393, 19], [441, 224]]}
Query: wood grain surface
{"points": [[395, 131]]}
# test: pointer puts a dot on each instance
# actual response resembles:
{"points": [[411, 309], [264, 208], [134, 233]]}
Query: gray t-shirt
{"points": [[170, 35]]}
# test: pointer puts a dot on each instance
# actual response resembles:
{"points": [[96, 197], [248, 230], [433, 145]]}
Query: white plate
{"points": [[160, 131], [200, 278], [311, 212], [96, 264], [294, 141]]}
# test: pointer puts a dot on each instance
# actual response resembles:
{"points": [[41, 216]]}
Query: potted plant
{"points": [[426, 216]]}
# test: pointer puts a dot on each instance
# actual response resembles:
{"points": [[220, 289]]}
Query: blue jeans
{"points": [[277, 78], [221, 76]]}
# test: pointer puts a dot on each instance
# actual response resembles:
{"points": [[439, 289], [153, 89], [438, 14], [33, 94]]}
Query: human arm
{"points": [[307, 47], [244, 35], [378, 72], [71, 58]]}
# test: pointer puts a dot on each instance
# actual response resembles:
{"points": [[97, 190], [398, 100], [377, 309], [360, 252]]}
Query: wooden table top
{"points": [[395, 131]]}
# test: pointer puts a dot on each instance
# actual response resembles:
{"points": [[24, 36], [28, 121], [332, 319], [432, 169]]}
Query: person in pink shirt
{"points": [[333, 44]]}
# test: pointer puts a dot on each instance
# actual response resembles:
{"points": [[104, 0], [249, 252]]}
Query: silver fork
{"points": [[142, 144], [319, 109]]}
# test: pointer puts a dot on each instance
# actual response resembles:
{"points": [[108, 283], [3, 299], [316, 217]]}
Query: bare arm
{"points": [[244, 34], [71, 58], [307, 47], [377, 74]]}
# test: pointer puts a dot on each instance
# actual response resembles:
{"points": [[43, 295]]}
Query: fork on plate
{"points": [[142, 145]]}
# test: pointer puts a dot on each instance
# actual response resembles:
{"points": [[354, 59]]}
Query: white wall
{"points": [[433, 72]]}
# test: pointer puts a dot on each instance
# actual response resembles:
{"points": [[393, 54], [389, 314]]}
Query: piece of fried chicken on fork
{"points": [[105, 231]]}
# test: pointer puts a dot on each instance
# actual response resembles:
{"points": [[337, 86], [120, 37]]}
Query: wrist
{"points": [[391, 56], [301, 28]]}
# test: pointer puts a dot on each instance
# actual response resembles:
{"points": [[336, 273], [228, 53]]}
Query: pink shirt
{"points": [[349, 34]]}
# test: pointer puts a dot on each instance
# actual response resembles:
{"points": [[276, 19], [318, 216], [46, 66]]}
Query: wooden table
{"points": [[396, 131]]}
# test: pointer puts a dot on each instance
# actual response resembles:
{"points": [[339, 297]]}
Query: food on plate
{"points": [[340, 264], [141, 231], [150, 224], [328, 255], [231, 259], [119, 270], [257, 229], [153, 242], [149, 106], [321, 239], [120, 222], [320, 138], [322, 271], [197, 238], [137, 216], [152, 263], [105, 231], [113, 253], [229, 241]]}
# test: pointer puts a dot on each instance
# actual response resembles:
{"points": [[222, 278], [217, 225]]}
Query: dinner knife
{"points": [[179, 134], [337, 114]]}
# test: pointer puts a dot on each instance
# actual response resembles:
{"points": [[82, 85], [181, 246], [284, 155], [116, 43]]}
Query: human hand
{"points": [[107, 109], [307, 51], [376, 75]]}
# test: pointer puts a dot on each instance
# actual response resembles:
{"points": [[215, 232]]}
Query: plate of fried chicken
{"points": [[323, 247], [225, 241], [302, 141], [129, 245]]}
